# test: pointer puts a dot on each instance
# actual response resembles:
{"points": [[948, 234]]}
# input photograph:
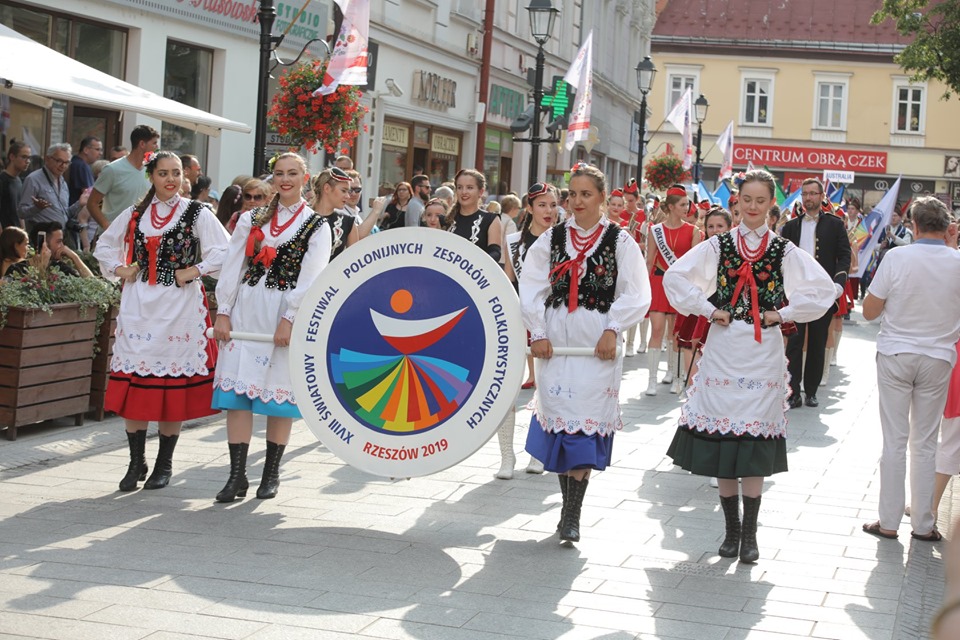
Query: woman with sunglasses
{"points": [[274, 256], [582, 283], [331, 192], [541, 214], [253, 193]]}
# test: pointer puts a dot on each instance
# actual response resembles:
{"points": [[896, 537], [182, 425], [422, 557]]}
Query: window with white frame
{"points": [[909, 107], [831, 101], [756, 101], [678, 84]]}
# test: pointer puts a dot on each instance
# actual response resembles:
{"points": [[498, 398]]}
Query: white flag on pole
{"points": [[681, 117], [874, 224], [348, 62], [580, 76], [725, 143]]}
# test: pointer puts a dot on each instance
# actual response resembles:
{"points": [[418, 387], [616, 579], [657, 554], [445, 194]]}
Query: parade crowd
{"points": [[745, 302]]}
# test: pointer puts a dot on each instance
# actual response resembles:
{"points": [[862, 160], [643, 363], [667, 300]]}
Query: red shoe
{"points": [[528, 385]]}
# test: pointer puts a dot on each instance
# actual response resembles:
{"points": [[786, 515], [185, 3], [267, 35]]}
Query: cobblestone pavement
{"points": [[460, 555]]}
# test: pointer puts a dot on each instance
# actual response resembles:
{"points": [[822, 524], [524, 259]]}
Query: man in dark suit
{"points": [[824, 236]]}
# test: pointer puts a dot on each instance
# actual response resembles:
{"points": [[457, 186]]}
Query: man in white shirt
{"points": [[916, 295]]}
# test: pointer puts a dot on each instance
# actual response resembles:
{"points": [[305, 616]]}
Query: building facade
{"points": [[200, 53], [806, 96]]}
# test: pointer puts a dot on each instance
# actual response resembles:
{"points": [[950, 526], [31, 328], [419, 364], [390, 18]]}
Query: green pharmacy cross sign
{"points": [[560, 101]]}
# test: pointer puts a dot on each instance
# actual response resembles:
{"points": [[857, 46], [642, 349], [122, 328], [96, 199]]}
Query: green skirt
{"points": [[727, 456]]}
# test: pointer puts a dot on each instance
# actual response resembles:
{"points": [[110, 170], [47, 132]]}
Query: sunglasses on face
{"points": [[356, 189], [253, 196]]}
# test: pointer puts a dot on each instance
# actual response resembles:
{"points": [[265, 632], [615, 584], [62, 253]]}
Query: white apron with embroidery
{"points": [[259, 369], [580, 394], [160, 329]]}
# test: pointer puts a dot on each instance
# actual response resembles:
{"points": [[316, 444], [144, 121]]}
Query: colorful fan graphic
{"points": [[405, 392]]}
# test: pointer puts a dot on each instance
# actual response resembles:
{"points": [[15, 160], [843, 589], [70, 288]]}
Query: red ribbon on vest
{"points": [[575, 265], [745, 275], [256, 235], [153, 246], [266, 256]]}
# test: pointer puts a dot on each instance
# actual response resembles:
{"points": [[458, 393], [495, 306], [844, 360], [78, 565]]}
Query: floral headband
{"points": [[271, 163], [579, 166], [739, 178], [149, 157]]}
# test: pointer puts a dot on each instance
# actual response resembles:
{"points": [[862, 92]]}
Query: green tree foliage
{"points": [[935, 26]]}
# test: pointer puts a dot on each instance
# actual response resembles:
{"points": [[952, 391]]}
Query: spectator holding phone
{"points": [[46, 197]]}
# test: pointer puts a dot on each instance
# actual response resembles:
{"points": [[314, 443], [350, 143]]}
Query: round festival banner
{"points": [[407, 352]]}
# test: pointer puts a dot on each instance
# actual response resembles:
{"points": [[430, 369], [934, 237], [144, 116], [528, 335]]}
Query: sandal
{"points": [[874, 529], [528, 385], [933, 536]]}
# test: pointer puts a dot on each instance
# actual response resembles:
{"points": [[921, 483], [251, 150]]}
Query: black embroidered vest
{"points": [[767, 271], [285, 270], [598, 285], [179, 248], [341, 226]]}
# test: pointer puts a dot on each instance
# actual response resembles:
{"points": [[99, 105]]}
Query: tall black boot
{"points": [[731, 513], [137, 441], [563, 492], [576, 489], [270, 483], [237, 483], [749, 552], [163, 467]]}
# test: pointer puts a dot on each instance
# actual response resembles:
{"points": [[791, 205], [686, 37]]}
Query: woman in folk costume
{"points": [[162, 365], [468, 220], [667, 241], [344, 230], [633, 218], [582, 283], [275, 254], [733, 426], [543, 211], [616, 207]]}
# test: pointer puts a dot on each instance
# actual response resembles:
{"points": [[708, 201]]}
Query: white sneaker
{"points": [[652, 387], [668, 378], [629, 352], [714, 483]]}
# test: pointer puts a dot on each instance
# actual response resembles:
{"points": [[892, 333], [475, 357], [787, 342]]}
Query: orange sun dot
{"points": [[401, 301]]}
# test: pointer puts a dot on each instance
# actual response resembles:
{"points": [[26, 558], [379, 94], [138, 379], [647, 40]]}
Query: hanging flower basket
{"points": [[663, 171], [331, 122]]}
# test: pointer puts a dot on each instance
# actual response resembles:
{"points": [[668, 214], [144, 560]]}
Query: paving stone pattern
{"points": [[460, 555]]}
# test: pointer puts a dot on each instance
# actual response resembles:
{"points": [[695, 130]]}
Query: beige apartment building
{"points": [[806, 93]]}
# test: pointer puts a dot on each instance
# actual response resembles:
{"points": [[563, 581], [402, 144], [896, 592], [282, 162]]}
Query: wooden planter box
{"points": [[45, 365], [101, 364]]}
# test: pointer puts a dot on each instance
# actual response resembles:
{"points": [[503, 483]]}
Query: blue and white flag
{"points": [[873, 224]]}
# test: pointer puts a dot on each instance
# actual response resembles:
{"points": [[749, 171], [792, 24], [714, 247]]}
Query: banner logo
{"points": [[407, 352]]}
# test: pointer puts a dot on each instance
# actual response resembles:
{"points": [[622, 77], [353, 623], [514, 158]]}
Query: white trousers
{"points": [[913, 392], [948, 453]]}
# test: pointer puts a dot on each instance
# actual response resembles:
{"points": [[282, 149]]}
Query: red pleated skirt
{"points": [[952, 410], [163, 398], [690, 329], [844, 302]]}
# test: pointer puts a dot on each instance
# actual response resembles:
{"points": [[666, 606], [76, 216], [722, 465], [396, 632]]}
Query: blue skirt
{"points": [[562, 452], [230, 401]]}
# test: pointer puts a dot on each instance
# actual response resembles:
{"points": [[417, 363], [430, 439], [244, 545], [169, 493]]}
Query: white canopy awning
{"points": [[36, 74]]}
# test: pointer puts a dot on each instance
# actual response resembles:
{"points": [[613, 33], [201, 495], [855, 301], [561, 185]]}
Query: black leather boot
{"points": [[576, 490], [731, 513], [563, 492], [237, 483], [137, 441], [749, 552], [270, 482], [163, 467]]}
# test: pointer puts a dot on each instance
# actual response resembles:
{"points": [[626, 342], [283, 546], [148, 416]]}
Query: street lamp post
{"points": [[267, 14], [542, 17], [646, 72], [700, 110]]}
